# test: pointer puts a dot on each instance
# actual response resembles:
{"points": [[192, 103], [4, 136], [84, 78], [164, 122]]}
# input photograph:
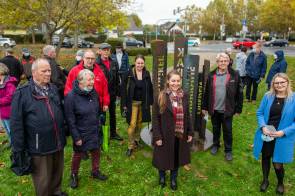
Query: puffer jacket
{"points": [[279, 66], [6, 92]]}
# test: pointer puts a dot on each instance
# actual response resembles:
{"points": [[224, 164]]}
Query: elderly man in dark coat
{"points": [[82, 112], [37, 128]]}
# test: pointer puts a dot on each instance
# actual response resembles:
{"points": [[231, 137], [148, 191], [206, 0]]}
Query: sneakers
{"points": [[98, 175], [228, 156], [280, 189], [214, 150]]}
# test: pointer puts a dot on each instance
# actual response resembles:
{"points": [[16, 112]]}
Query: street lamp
{"points": [[177, 11]]}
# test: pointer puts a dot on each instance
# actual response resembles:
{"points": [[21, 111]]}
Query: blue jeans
{"points": [[7, 128]]}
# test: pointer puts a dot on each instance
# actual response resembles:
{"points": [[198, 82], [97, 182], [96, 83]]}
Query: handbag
{"points": [[21, 163]]}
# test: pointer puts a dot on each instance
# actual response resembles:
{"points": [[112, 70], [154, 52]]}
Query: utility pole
{"points": [[222, 28]]}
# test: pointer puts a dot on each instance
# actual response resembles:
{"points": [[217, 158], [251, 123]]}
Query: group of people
{"points": [[39, 113]]}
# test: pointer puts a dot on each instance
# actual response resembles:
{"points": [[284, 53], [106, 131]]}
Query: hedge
{"points": [[24, 39], [114, 42], [136, 51]]}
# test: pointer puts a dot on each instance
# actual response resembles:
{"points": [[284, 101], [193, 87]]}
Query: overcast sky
{"points": [[151, 11]]}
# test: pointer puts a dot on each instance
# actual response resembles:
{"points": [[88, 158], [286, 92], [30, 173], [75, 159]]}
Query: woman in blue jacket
{"points": [[277, 110], [279, 66]]}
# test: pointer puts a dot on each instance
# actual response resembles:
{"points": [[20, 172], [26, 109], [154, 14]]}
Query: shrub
{"points": [[136, 51], [114, 42]]}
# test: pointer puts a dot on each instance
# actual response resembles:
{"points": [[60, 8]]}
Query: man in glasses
{"points": [[223, 97]]}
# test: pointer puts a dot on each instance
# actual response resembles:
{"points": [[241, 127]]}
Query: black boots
{"points": [[264, 185], [280, 172], [98, 175], [74, 181], [173, 179], [162, 178], [129, 152]]}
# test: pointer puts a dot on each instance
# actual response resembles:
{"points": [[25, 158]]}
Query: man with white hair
{"points": [[57, 75], [37, 123], [223, 97]]}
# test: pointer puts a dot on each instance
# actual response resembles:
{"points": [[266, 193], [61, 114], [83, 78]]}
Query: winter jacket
{"points": [[14, 66], [284, 146], [234, 93], [112, 76], [27, 65], [128, 86], [6, 91], [279, 66], [241, 63], [100, 82], [37, 122], [82, 114], [57, 76], [256, 68], [124, 62], [164, 129]]}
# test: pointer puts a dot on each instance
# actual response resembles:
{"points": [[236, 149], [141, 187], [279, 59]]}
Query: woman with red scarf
{"points": [[172, 131]]}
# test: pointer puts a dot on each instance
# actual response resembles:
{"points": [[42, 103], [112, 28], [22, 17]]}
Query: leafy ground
{"points": [[209, 175]]}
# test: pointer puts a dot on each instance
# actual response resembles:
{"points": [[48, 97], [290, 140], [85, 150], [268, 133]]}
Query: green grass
{"points": [[210, 175]]}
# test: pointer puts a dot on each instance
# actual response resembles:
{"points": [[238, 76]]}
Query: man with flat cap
{"points": [[111, 71]]}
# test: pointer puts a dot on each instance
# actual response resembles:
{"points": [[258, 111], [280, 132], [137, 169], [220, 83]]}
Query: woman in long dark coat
{"points": [[172, 131], [82, 112], [137, 98]]}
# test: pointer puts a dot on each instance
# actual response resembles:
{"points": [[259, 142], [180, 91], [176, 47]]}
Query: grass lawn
{"points": [[210, 175]]}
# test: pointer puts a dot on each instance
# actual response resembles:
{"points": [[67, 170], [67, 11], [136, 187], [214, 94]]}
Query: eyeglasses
{"points": [[225, 61], [280, 83], [89, 58]]}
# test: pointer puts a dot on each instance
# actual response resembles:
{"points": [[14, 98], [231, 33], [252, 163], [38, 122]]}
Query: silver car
{"points": [[7, 42]]}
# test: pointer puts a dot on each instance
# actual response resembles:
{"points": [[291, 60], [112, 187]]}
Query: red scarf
{"points": [[179, 116]]}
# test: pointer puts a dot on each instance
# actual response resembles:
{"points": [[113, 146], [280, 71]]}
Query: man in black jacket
{"points": [[223, 97], [13, 64], [111, 71], [37, 124], [58, 76]]}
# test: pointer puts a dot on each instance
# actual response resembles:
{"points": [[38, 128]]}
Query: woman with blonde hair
{"points": [[172, 131], [275, 135]]}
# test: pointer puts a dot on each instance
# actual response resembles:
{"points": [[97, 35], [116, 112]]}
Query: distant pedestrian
{"points": [[240, 60], [27, 61], [256, 65], [279, 66], [13, 64], [228, 51], [7, 88], [172, 131]]}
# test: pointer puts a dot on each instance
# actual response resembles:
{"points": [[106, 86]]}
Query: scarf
{"points": [[178, 112]]}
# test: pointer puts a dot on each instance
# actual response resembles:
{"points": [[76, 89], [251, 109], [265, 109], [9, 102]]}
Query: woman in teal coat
{"points": [[277, 110]]}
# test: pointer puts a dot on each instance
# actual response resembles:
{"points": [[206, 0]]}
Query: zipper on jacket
{"points": [[37, 141]]}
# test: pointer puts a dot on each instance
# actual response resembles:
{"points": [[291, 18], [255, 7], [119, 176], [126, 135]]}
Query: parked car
{"points": [[82, 43], [7, 42], [67, 43], [193, 41], [130, 41], [246, 42], [230, 39], [277, 42]]}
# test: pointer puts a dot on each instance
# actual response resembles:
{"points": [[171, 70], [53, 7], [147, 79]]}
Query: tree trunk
{"points": [[33, 36], [76, 37], [214, 36]]}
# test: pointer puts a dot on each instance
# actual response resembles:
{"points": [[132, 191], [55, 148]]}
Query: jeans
{"points": [[6, 125], [219, 120]]}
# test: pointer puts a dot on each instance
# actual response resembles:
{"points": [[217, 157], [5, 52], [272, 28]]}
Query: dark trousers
{"points": [[173, 173], [112, 112], [76, 159], [244, 81], [219, 120], [47, 173], [251, 82]]}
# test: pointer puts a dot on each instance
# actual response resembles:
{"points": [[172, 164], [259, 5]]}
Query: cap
{"points": [[104, 46], [80, 53], [26, 51]]}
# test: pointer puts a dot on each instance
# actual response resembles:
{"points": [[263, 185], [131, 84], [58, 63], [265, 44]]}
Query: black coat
{"points": [[112, 77], [82, 114], [164, 129], [128, 86], [14, 66], [58, 77], [37, 123], [234, 94]]}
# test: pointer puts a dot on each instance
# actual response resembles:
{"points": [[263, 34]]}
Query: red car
{"points": [[244, 42]]}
